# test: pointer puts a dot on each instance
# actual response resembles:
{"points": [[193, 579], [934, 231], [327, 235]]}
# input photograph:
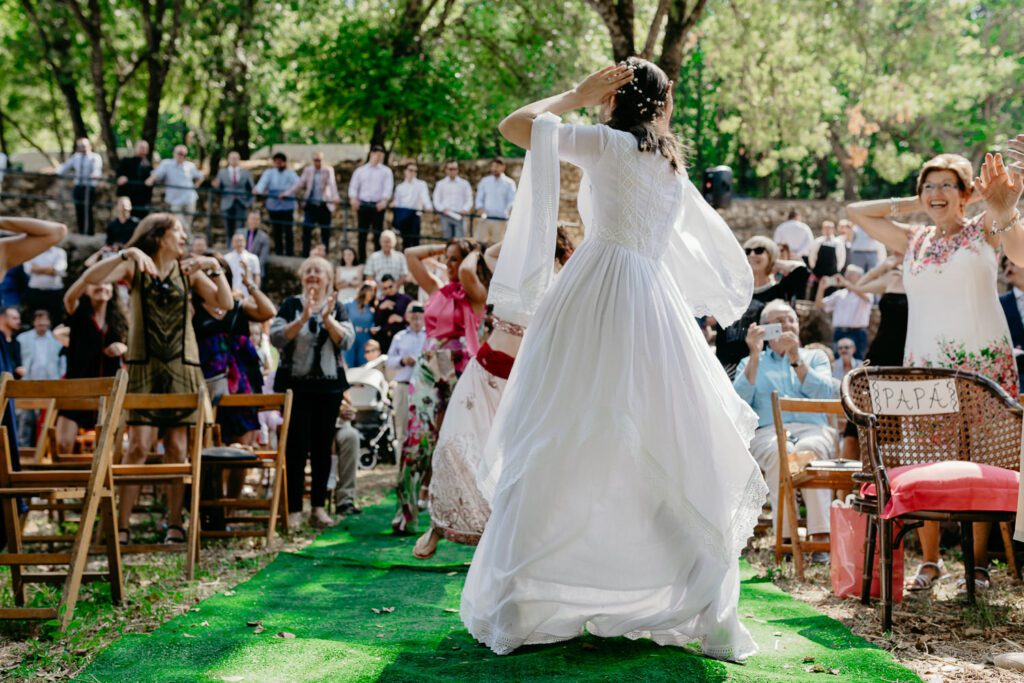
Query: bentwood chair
{"points": [[937, 445]]}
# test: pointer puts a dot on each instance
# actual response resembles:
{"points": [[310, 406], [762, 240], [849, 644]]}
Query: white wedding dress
{"points": [[621, 487]]}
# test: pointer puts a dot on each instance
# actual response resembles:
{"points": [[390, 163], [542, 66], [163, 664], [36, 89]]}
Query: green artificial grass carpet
{"points": [[361, 608]]}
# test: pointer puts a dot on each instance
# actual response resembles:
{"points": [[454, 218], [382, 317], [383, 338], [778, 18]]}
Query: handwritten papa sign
{"points": [[918, 397]]}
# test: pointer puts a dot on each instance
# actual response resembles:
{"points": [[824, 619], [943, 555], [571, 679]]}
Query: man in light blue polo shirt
{"points": [[794, 372]]}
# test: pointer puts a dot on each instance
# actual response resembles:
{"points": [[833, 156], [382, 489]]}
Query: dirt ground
{"points": [[936, 634]]}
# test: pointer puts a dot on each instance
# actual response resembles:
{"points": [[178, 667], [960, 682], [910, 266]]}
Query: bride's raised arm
{"points": [[597, 88]]}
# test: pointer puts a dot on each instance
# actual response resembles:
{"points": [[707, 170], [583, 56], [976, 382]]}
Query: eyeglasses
{"points": [[934, 187], [755, 250], [847, 348]]}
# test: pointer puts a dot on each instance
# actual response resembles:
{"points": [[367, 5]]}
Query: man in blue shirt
{"points": [[272, 183], [794, 372]]}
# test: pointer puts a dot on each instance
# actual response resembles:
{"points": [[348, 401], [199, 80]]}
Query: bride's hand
{"points": [[601, 85]]}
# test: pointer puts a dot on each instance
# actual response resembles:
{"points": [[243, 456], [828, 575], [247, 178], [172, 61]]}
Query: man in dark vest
{"points": [[1013, 308]]}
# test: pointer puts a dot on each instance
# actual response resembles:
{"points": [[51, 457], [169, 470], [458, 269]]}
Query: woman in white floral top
{"points": [[949, 271]]}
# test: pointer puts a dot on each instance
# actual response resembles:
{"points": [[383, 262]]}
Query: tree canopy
{"points": [[807, 98]]}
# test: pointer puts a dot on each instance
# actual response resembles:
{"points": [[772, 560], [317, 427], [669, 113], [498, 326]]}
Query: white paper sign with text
{"points": [[916, 397]]}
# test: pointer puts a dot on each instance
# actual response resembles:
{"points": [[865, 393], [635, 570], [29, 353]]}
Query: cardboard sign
{"points": [[920, 397]]}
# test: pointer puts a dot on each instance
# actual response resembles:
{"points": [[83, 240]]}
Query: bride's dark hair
{"points": [[641, 101]]}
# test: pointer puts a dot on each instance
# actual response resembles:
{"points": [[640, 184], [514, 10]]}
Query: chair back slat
{"points": [[986, 429]]}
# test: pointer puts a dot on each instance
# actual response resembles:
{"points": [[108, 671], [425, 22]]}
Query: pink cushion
{"points": [[954, 485]]}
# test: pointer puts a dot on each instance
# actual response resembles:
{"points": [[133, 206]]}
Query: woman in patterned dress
{"points": [[458, 511], [452, 315], [162, 356], [949, 271]]}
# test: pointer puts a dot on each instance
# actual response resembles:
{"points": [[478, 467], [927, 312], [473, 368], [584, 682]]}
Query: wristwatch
{"points": [[797, 364]]}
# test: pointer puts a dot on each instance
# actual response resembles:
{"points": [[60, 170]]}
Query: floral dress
{"points": [[452, 341], [955, 320]]}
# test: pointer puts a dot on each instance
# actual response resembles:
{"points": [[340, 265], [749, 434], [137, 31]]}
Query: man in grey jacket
{"points": [[235, 186]]}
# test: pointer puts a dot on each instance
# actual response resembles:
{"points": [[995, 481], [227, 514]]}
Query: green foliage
{"points": [[803, 98]]}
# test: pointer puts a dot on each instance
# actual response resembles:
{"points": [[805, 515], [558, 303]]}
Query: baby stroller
{"points": [[374, 418]]}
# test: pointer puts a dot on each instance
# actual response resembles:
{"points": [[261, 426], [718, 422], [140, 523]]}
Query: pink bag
{"points": [[848, 528]]}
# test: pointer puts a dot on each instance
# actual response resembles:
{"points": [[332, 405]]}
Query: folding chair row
{"points": [[95, 488]]}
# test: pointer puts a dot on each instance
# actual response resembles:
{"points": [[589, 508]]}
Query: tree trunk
{"points": [[850, 175], [677, 28], [57, 54], [618, 20], [160, 54]]}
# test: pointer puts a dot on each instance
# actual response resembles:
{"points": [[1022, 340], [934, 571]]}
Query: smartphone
{"points": [[772, 331]]}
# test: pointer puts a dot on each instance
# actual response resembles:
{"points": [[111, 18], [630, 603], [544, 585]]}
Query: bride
{"points": [[617, 469]]}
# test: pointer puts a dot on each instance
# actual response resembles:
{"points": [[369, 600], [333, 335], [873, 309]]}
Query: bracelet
{"points": [[894, 206], [1010, 225], [123, 254], [214, 273]]}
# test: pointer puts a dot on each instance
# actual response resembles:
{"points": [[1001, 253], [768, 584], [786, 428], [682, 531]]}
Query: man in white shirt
{"points": [[85, 167], [42, 359], [832, 250], [46, 282], [403, 353], [369, 191], [387, 261], [494, 197], [453, 200], [411, 199], [240, 259], [796, 234], [851, 311], [180, 178]]}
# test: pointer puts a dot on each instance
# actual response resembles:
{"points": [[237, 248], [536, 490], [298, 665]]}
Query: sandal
{"points": [[923, 581], [426, 545], [126, 539], [980, 583], [175, 539]]}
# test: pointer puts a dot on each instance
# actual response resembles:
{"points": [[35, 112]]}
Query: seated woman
{"points": [[774, 278]]}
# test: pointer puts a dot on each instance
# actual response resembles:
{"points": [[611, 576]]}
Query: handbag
{"points": [[848, 528], [217, 386]]}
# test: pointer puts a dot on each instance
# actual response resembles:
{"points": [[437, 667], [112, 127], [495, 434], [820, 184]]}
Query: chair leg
{"points": [[967, 544], [794, 529], [12, 527], [115, 571], [79, 557], [275, 501], [194, 526], [885, 571], [869, 559], [1011, 559]]}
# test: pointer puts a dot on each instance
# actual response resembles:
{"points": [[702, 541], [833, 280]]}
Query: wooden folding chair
{"points": [[795, 473], [270, 462], [187, 473], [93, 486]]}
